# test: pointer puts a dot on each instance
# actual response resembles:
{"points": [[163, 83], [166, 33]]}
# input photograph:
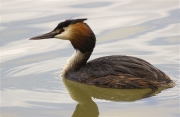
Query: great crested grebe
{"points": [[109, 71]]}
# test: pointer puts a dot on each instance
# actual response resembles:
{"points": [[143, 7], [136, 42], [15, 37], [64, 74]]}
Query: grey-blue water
{"points": [[30, 81]]}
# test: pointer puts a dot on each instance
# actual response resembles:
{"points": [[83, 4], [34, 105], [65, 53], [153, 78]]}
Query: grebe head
{"points": [[76, 31]]}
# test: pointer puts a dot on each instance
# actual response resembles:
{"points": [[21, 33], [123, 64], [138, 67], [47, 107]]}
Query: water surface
{"points": [[30, 82]]}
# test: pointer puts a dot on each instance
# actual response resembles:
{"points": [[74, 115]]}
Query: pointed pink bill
{"points": [[44, 36]]}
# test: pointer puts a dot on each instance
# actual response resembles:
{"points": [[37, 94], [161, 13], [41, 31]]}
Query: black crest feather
{"points": [[68, 22]]}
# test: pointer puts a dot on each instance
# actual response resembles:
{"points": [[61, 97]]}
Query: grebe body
{"points": [[109, 71]]}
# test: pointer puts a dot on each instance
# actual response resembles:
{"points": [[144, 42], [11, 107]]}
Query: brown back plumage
{"points": [[121, 72]]}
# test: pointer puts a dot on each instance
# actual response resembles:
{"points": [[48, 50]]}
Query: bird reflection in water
{"points": [[83, 94]]}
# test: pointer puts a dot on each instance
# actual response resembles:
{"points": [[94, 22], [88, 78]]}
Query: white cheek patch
{"points": [[66, 35], [60, 36]]}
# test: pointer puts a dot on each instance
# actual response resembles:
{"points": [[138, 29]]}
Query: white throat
{"points": [[76, 60]]}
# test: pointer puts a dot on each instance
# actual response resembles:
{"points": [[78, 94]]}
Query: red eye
{"points": [[62, 30]]}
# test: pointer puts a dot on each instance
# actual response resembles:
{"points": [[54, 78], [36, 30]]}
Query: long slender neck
{"points": [[77, 60], [83, 40]]}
